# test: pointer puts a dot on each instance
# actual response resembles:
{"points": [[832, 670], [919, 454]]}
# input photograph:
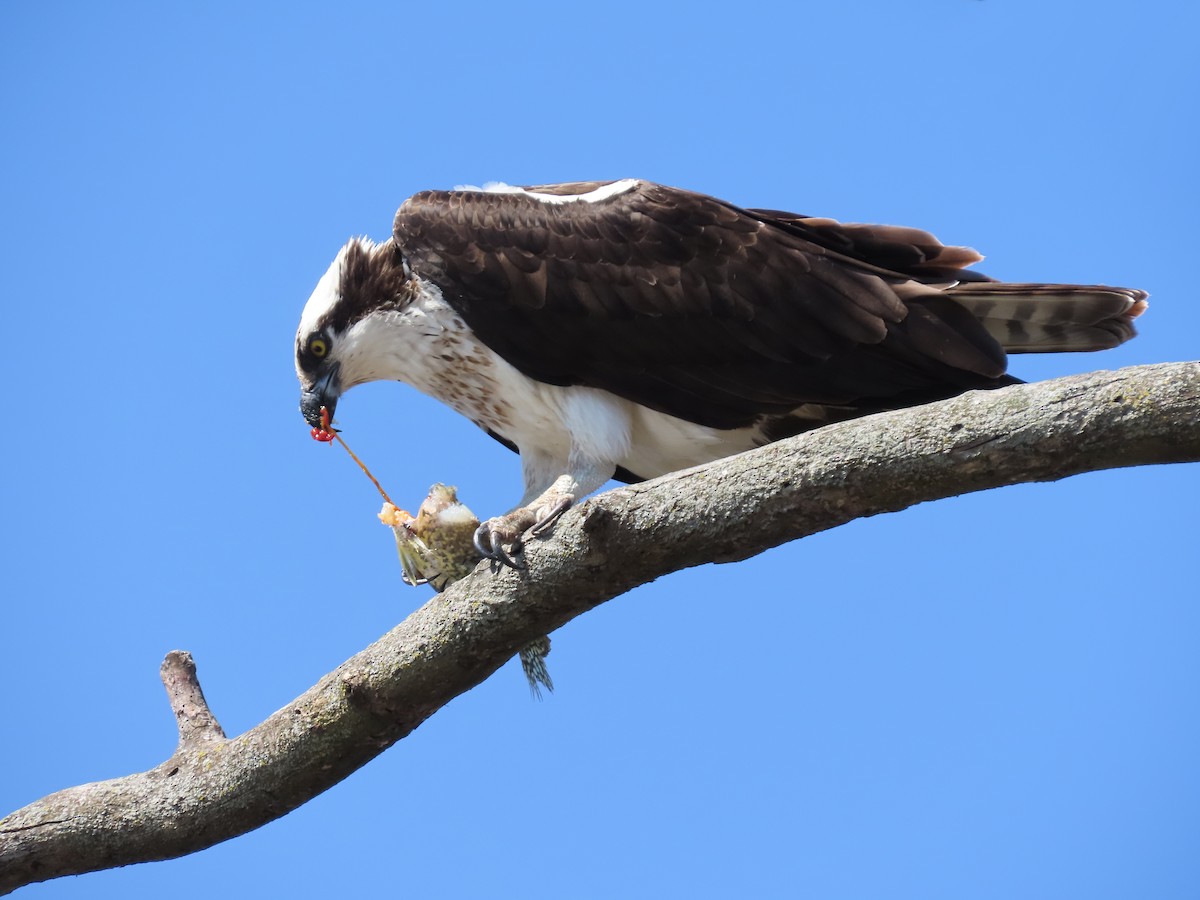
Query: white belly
{"points": [[594, 424], [428, 346]]}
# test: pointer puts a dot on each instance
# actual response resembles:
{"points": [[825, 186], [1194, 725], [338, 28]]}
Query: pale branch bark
{"points": [[197, 725], [214, 788]]}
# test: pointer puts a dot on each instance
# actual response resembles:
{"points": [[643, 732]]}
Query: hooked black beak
{"points": [[325, 392]]}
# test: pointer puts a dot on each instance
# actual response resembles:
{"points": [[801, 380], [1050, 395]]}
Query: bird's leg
{"points": [[501, 539]]}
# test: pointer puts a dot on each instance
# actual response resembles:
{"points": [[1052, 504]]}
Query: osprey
{"points": [[629, 329]]}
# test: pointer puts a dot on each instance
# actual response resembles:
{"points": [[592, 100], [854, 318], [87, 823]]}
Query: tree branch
{"points": [[213, 788], [198, 727]]}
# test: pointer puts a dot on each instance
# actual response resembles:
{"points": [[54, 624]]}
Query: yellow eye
{"points": [[318, 347]]}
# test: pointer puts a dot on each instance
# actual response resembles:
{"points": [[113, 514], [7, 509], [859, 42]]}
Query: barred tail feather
{"points": [[1052, 318], [533, 663]]}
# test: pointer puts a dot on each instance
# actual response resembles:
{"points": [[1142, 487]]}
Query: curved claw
{"points": [[547, 521], [514, 560], [501, 539], [482, 541], [489, 541]]}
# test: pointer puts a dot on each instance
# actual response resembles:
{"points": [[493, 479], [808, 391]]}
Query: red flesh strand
{"points": [[325, 434]]}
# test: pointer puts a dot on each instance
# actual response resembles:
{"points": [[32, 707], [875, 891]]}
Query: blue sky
{"points": [[993, 696]]}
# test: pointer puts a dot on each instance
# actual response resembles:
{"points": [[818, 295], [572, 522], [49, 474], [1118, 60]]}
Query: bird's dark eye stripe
{"points": [[310, 352]]}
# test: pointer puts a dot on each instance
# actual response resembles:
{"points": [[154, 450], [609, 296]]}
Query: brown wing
{"points": [[893, 248], [697, 308]]}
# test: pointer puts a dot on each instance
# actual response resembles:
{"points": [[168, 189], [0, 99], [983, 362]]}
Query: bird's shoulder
{"points": [[636, 223]]}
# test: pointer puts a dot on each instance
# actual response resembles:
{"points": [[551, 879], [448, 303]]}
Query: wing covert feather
{"points": [[693, 306]]}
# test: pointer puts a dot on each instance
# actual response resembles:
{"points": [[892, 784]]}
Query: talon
{"points": [[551, 517], [478, 539], [489, 541], [513, 560], [500, 541]]}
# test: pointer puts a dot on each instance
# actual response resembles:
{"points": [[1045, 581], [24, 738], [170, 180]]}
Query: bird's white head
{"points": [[337, 343]]}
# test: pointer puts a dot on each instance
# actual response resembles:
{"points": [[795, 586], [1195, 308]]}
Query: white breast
{"points": [[428, 346]]}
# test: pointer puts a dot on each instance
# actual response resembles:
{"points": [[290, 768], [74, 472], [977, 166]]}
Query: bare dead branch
{"points": [[197, 724], [213, 788]]}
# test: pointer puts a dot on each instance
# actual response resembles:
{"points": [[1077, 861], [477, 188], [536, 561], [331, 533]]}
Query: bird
{"points": [[625, 329], [437, 548]]}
